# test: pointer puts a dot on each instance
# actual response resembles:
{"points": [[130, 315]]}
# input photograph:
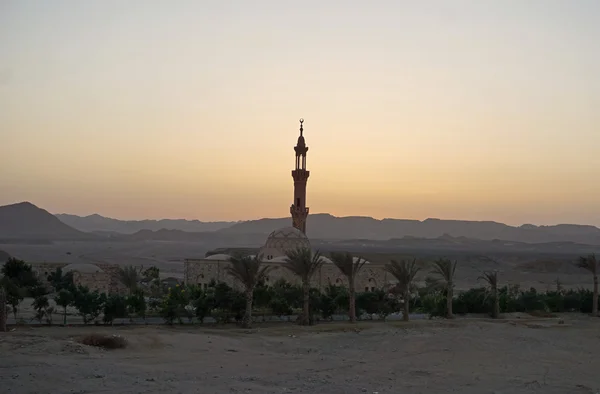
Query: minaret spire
{"points": [[299, 210]]}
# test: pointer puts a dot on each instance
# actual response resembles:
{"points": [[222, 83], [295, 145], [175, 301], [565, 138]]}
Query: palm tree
{"points": [[304, 264], [248, 271], [590, 263], [404, 272], [491, 277], [130, 277], [350, 267], [444, 269], [2, 309]]}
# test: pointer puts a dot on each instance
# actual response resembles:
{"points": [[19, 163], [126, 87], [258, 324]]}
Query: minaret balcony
{"points": [[300, 210]]}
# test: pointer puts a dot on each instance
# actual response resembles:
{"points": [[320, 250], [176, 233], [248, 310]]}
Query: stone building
{"points": [[101, 277], [203, 270]]}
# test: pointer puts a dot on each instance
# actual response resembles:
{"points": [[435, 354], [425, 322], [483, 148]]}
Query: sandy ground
{"points": [[462, 356]]}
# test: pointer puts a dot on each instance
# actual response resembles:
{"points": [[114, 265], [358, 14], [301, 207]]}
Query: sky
{"points": [[474, 110]]}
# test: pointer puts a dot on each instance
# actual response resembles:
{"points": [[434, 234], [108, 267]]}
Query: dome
{"points": [[83, 268], [355, 259], [326, 260], [283, 240], [218, 257]]}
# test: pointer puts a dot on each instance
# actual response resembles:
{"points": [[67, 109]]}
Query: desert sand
{"points": [[463, 356]]}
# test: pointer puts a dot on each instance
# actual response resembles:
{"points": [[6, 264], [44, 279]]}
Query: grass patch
{"points": [[104, 341]]}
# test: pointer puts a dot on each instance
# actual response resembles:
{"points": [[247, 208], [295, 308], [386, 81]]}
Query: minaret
{"points": [[299, 210]]}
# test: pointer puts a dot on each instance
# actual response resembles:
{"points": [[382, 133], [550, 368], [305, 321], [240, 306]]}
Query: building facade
{"points": [[202, 271], [101, 277]]}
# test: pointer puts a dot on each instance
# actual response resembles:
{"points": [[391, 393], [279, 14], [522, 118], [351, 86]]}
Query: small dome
{"points": [[82, 268], [283, 240], [355, 259], [218, 257], [326, 260]]}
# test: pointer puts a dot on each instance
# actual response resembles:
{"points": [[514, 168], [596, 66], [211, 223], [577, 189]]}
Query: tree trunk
{"points": [[2, 310], [306, 304], [65, 317], [352, 307], [247, 321], [406, 305], [595, 300], [496, 310], [449, 296]]}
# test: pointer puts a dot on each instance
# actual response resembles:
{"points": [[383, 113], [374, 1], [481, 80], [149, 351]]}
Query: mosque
{"points": [[273, 252]]}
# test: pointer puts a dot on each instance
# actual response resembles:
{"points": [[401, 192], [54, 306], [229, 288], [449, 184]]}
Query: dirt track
{"points": [[421, 357]]}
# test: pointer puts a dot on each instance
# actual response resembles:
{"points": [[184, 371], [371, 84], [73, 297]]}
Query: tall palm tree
{"points": [[590, 263], [249, 271], [2, 309], [444, 269], [491, 278], [130, 277], [304, 264], [404, 271], [350, 267]]}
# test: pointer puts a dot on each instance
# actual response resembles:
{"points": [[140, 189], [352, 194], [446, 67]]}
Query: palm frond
{"points": [[129, 276], [404, 271], [589, 263], [444, 269], [249, 271], [348, 264], [303, 263], [491, 277]]}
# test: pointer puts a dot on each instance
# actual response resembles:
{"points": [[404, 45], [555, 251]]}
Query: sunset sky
{"points": [[478, 110]]}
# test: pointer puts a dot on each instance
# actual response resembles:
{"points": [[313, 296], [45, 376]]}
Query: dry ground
{"points": [[462, 356]]}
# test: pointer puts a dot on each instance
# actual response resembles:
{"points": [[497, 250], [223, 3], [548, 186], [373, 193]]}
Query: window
{"points": [[373, 288], [366, 288]]}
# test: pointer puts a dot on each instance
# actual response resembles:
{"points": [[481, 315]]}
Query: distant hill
{"points": [[325, 226], [25, 221], [101, 224]]}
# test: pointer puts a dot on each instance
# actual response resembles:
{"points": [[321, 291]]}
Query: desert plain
{"points": [[516, 354]]}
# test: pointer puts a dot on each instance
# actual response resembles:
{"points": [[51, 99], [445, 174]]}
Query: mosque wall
{"points": [[371, 277]]}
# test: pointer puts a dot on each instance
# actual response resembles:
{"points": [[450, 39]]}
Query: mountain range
{"points": [[97, 223], [26, 221]]}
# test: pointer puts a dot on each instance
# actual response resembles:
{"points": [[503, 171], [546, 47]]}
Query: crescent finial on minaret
{"points": [[301, 128]]}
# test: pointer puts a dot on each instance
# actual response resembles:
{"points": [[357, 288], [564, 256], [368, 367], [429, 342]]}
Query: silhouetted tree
{"points": [[350, 267], [444, 269], [491, 278], [304, 264], [2, 309], [60, 280], [249, 271], [64, 298], [404, 271], [590, 263], [130, 277]]}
